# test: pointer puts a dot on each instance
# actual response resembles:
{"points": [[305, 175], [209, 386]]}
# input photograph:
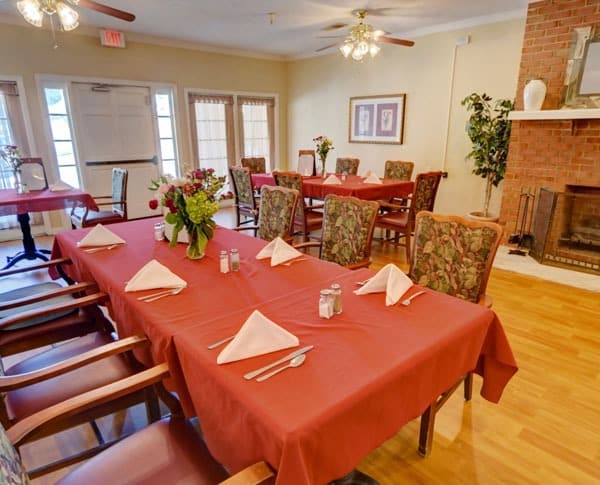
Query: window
{"points": [[214, 129], [166, 131], [61, 130]]}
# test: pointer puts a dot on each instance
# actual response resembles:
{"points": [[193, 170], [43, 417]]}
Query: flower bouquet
{"points": [[192, 201], [10, 154], [324, 144]]}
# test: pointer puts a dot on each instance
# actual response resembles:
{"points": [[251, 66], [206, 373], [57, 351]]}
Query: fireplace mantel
{"points": [[555, 114]]}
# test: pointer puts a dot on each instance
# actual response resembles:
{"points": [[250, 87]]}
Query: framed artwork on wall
{"points": [[377, 119]]}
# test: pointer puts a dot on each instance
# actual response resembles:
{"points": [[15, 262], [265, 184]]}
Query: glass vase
{"points": [[20, 187], [197, 245], [323, 161]]}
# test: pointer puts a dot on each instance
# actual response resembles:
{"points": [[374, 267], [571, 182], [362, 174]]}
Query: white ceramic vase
{"points": [[533, 95]]}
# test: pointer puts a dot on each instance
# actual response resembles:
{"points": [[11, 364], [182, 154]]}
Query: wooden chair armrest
{"points": [[66, 290], [245, 228], [33, 267], [9, 383], [309, 244], [95, 397], [254, 474], [389, 205], [21, 317], [361, 264], [314, 206], [102, 197]]}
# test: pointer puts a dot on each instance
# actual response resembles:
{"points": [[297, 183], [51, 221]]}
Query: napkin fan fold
{"points": [[154, 275], [279, 251], [100, 236], [389, 279]]}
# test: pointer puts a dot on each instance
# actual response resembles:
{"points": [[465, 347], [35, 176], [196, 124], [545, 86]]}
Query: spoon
{"points": [[407, 301], [158, 296], [295, 362]]}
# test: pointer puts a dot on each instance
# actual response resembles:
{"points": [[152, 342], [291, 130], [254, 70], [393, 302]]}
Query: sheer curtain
{"points": [[256, 126]]}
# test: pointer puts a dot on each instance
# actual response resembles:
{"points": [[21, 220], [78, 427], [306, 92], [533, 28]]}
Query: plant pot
{"points": [[479, 216]]}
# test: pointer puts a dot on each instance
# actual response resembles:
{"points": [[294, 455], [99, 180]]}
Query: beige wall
{"points": [[26, 51], [319, 90]]}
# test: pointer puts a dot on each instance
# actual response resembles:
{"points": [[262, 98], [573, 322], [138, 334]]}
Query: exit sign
{"points": [[112, 38]]}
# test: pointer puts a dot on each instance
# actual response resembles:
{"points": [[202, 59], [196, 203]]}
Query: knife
{"points": [[253, 374]]}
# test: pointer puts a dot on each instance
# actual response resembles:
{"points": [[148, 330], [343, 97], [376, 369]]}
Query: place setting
{"points": [[392, 281], [100, 239], [258, 336], [155, 276], [280, 253]]}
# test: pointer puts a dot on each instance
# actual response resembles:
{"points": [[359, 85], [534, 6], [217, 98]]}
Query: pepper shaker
{"points": [[235, 260], [336, 296]]}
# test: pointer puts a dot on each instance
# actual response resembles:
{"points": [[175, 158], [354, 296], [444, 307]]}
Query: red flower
{"points": [[153, 204], [171, 205]]}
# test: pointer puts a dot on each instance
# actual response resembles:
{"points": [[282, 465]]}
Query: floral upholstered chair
{"points": [[348, 225], [11, 468], [400, 218], [348, 166], [454, 255], [255, 164], [277, 208], [398, 169], [245, 201], [307, 217]]}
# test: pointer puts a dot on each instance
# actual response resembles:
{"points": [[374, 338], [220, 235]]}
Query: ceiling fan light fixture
{"points": [[69, 18], [31, 11], [347, 48], [374, 49]]}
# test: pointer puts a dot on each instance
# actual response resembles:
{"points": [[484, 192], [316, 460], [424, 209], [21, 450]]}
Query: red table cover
{"points": [[12, 203]]}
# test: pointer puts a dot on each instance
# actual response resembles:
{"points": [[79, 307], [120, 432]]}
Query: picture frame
{"points": [[581, 87], [377, 119]]}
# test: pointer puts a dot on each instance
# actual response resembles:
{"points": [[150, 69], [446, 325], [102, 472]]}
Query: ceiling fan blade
{"points": [[392, 40], [326, 47], [105, 9], [337, 25]]}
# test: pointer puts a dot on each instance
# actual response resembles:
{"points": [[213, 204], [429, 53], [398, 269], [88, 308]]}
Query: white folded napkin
{"points": [[332, 180], [258, 336], [154, 275], [60, 186], [367, 173], [100, 236], [389, 279], [279, 251], [372, 179]]}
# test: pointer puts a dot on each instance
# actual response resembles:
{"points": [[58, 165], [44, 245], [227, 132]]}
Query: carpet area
{"points": [[529, 266]]}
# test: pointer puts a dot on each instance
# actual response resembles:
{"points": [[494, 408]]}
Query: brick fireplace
{"points": [[550, 154]]}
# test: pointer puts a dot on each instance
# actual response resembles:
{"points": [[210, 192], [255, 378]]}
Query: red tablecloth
{"points": [[353, 185], [373, 369], [12, 203]]}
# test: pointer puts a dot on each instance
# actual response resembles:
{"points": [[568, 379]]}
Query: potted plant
{"points": [[488, 128]]}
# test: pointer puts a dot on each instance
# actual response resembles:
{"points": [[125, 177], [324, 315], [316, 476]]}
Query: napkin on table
{"points": [[258, 336], [100, 236], [372, 179], [279, 251], [368, 173], [332, 180], [154, 275], [60, 186], [389, 279]]}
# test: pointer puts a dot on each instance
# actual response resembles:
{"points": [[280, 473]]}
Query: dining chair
{"points": [[245, 200], [307, 217], [84, 217], [399, 218], [348, 224], [398, 169], [349, 166], [255, 164], [306, 162], [452, 255], [33, 174], [168, 451], [276, 215]]}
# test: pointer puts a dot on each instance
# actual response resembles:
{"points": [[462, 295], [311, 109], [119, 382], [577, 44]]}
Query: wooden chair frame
{"points": [[247, 208]]}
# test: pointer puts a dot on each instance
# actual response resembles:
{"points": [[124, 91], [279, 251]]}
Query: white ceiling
{"points": [[243, 25]]}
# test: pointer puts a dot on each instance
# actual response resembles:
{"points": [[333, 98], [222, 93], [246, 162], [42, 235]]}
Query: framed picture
{"points": [[377, 119]]}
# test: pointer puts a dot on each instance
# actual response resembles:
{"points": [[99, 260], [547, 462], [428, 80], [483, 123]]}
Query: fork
{"points": [[363, 282], [160, 294], [407, 301], [95, 250]]}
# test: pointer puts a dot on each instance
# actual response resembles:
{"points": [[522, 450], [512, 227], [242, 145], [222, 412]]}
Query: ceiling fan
{"points": [[362, 39], [34, 10]]}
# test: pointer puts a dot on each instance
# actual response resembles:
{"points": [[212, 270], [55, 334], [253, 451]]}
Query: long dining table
{"points": [[373, 368], [353, 185]]}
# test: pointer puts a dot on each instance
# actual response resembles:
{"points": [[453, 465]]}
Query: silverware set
{"points": [[161, 294], [108, 248]]}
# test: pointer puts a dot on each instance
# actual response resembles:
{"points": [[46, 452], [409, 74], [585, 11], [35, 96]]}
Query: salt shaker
{"points": [[235, 260], [325, 304], [336, 296], [223, 262], [159, 231]]}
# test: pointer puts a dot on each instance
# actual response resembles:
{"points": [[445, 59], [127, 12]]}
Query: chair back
{"points": [[398, 169], [255, 164], [11, 468], [454, 255], [33, 174], [119, 191], [348, 224], [426, 187], [292, 180], [306, 162], [242, 186], [347, 165], [276, 216]]}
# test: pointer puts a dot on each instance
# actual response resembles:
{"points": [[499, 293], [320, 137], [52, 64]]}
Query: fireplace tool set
{"points": [[523, 237]]}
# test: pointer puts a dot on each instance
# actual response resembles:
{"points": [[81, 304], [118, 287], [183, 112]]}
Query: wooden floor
{"points": [[546, 428]]}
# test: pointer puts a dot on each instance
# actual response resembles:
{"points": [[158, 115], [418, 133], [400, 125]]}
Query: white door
{"points": [[114, 128]]}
